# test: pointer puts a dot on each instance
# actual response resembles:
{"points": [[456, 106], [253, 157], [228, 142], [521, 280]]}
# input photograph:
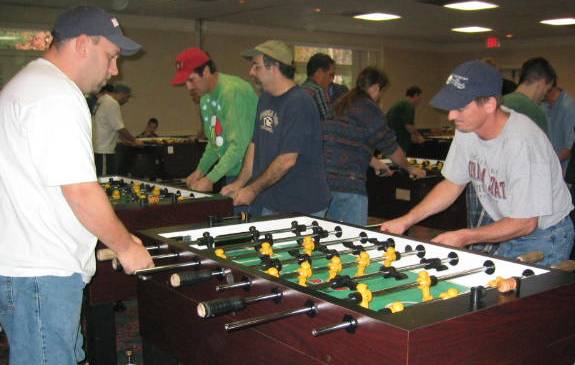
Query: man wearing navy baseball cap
{"points": [[510, 163], [52, 209]]}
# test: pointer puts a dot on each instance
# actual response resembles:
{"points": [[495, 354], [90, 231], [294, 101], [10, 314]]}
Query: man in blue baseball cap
{"points": [[510, 163], [52, 209]]}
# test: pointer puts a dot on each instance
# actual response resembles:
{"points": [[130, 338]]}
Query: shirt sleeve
{"points": [[381, 137], [60, 142], [456, 167]]}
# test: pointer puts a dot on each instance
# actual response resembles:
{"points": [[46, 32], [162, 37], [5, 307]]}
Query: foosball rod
{"points": [[251, 234], [156, 269], [117, 266], [488, 267], [418, 250], [362, 238], [293, 239], [348, 323], [354, 251], [309, 308], [452, 259], [107, 254], [212, 308]]}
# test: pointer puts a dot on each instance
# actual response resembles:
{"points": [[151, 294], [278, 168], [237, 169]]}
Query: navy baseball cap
{"points": [[93, 21], [467, 82]]}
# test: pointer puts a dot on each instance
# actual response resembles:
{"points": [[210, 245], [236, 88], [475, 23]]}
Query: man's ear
{"points": [[81, 44]]}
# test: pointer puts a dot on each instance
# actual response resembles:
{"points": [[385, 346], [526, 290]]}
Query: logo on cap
{"points": [[115, 22], [459, 82]]}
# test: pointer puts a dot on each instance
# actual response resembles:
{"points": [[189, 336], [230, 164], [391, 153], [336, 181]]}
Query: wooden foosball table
{"points": [[292, 289]]}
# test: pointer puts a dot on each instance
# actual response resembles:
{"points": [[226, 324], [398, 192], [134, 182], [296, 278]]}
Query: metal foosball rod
{"points": [[252, 235], [212, 308], [488, 268], [309, 308], [156, 269], [107, 254], [317, 233], [244, 283], [187, 278], [427, 264], [348, 323], [117, 266], [310, 247], [419, 250], [324, 252]]}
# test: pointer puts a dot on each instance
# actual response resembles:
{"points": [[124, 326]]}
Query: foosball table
{"points": [[139, 204], [297, 289], [392, 196]]}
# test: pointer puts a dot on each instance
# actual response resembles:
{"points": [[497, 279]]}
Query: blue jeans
{"points": [[265, 211], [41, 317], [555, 242], [348, 208]]}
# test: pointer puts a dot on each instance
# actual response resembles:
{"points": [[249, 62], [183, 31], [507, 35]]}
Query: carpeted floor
{"points": [[127, 338]]}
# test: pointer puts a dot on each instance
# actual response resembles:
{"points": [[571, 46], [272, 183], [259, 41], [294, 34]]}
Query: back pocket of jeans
{"points": [[6, 294]]}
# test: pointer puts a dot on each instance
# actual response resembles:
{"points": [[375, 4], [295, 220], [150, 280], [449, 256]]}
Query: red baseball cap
{"points": [[187, 62]]}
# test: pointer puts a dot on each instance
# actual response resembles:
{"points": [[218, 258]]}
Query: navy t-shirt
{"points": [[290, 123]]}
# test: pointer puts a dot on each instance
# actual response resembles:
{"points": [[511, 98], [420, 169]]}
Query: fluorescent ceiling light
{"points": [[473, 29], [377, 17], [561, 21], [471, 5]]}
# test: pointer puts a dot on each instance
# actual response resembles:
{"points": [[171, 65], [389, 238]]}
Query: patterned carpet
{"points": [[127, 338]]}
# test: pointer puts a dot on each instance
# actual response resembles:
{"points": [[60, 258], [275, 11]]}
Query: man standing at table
{"points": [[512, 166], [52, 209]]}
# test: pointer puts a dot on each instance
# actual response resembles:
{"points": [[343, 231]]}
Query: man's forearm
{"points": [[438, 199], [502, 230], [398, 158], [275, 171], [247, 167], [90, 205]]}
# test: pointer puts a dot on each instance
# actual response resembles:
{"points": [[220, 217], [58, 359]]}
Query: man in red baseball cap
{"points": [[228, 108]]}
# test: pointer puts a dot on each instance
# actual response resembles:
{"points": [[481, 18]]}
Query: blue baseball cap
{"points": [[467, 82], [93, 21]]}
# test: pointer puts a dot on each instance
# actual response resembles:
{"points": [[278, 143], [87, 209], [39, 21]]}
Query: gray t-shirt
{"points": [[516, 175]]}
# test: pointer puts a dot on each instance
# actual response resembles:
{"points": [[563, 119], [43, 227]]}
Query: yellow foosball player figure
{"points": [[273, 272], [396, 307], [308, 245], [220, 253], [266, 249], [363, 261], [335, 267], [305, 273], [156, 191], [116, 195], [390, 256], [424, 282], [366, 295], [450, 293]]}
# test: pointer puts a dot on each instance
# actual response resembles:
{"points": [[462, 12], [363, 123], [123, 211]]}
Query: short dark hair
{"points": [[413, 91], [200, 69], [153, 120], [484, 99], [287, 70], [535, 69], [318, 61]]}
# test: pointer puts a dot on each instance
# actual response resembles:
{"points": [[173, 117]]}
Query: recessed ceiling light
{"points": [[561, 21], [471, 5], [472, 29], [377, 17], [509, 35]]}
